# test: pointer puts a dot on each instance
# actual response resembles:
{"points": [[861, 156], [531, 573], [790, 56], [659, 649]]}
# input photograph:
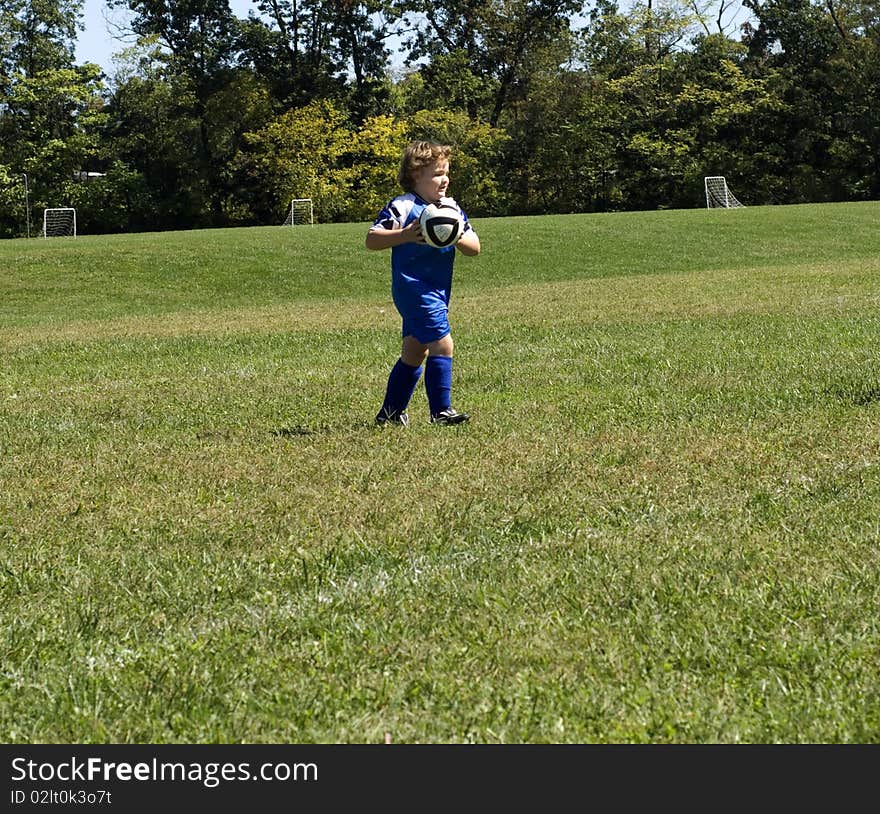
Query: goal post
{"points": [[59, 222], [301, 212], [718, 194]]}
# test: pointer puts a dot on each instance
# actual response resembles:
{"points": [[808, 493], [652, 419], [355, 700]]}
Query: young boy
{"points": [[421, 282]]}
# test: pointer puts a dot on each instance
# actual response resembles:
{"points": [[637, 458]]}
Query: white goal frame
{"points": [[718, 194], [301, 212], [59, 222]]}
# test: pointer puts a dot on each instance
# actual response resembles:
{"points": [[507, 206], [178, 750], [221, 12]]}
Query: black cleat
{"points": [[449, 416]]}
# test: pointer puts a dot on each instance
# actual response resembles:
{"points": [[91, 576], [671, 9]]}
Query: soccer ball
{"points": [[442, 225]]}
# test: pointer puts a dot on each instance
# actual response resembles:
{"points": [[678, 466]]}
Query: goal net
{"points": [[301, 212], [59, 222], [718, 194]]}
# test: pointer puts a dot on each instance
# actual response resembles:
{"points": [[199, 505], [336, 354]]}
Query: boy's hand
{"points": [[413, 233]]}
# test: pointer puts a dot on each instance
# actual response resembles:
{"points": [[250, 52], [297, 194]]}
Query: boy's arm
{"points": [[379, 238], [469, 243]]}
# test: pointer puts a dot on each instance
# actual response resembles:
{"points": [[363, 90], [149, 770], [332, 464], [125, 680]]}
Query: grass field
{"points": [[661, 525]]}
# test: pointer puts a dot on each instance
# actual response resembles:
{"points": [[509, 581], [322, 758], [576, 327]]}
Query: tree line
{"points": [[553, 106]]}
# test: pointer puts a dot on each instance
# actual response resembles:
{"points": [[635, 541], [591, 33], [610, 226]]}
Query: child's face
{"points": [[431, 181]]}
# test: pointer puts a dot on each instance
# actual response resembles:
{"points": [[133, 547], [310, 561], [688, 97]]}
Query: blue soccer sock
{"points": [[438, 383], [402, 383]]}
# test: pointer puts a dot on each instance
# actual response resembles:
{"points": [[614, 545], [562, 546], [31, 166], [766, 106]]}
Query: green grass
{"points": [[661, 525]]}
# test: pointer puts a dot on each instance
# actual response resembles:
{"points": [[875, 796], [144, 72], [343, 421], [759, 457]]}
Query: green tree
{"points": [[491, 41], [721, 107], [289, 46], [196, 59], [563, 150], [333, 49], [51, 110], [374, 156], [299, 154], [156, 132], [197, 35], [13, 203], [821, 61], [446, 82], [37, 35], [118, 201]]}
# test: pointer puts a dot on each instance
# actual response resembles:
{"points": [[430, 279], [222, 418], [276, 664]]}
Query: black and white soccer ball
{"points": [[442, 224]]}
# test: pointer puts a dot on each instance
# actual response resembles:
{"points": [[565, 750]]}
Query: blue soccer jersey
{"points": [[421, 276]]}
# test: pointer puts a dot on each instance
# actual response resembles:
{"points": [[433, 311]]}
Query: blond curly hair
{"points": [[417, 155]]}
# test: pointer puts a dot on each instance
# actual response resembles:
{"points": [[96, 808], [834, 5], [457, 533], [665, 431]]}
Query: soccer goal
{"points": [[718, 194], [59, 222], [301, 212]]}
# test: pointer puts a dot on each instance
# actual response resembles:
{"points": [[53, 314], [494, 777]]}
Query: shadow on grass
{"points": [[357, 428], [293, 432], [856, 393]]}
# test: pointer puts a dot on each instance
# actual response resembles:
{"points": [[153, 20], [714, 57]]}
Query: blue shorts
{"points": [[425, 313]]}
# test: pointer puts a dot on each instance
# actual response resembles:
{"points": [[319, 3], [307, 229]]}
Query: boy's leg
{"points": [[402, 382], [438, 382]]}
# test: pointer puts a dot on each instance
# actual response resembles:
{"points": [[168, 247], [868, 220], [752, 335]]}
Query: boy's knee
{"points": [[442, 347], [413, 352]]}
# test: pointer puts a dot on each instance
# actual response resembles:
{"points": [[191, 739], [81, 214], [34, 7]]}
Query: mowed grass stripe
{"points": [[826, 288]]}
